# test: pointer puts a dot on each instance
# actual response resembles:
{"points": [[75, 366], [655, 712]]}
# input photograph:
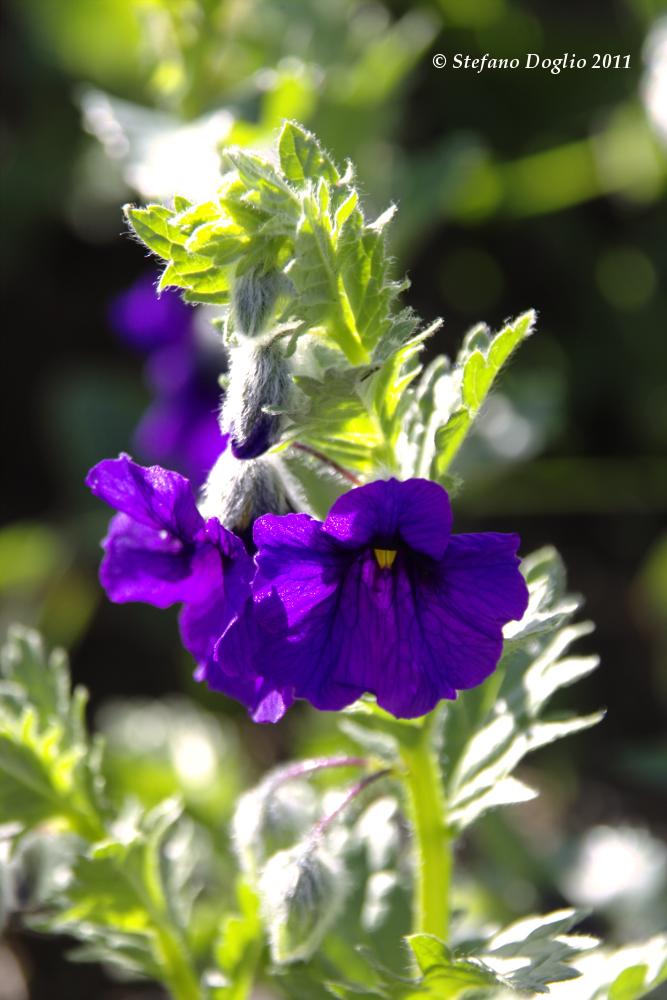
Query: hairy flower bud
{"points": [[258, 381], [254, 297], [237, 492], [301, 892], [271, 817]]}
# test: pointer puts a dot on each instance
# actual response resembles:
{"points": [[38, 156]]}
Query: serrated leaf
{"points": [[122, 901], [47, 769], [489, 730], [151, 224], [41, 681], [545, 945], [443, 976], [444, 403], [627, 973], [302, 158]]}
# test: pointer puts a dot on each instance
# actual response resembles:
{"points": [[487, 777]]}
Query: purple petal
{"points": [[152, 548], [145, 320], [155, 497], [262, 436], [387, 512], [143, 564], [236, 669], [218, 593], [332, 624], [297, 563], [220, 609]]}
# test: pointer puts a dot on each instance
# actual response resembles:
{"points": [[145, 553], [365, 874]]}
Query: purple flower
{"points": [[160, 550], [180, 427], [379, 598], [146, 320]]}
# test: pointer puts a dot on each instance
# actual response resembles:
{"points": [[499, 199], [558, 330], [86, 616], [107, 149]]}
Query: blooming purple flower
{"points": [[378, 598], [180, 427], [160, 550]]}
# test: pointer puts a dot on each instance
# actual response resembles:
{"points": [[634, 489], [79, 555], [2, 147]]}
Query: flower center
{"points": [[385, 557]]}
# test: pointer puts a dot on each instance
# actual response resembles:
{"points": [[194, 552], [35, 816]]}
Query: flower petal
{"points": [[296, 563], [461, 611], [155, 497], [142, 564], [236, 668], [332, 627], [387, 512], [219, 589]]}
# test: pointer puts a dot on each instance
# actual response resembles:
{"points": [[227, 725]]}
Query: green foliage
{"points": [[357, 398], [155, 750], [49, 770], [487, 969], [123, 879], [488, 731], [301, 221], [130, 898], [626, 973], [446, 400], [238, 949], [301, 217]]}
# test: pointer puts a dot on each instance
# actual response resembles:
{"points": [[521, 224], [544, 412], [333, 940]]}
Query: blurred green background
{"points": [[515, 189]]}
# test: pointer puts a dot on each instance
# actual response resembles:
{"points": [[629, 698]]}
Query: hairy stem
{"points": [[325, 460], [432, 842], [349, 797]]}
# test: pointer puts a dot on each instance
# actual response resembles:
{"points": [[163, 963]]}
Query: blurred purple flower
{"points": [[378, 598], [161, 551], [180, 428]]}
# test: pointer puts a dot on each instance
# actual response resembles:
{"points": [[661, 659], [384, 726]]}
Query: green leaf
{"points": [[545, 946], [302, 158], [47, 767], [490, 729], [443, 977], [239, 948], [626, 973], [445, 402], [151, 224], [125, 904], [301, 221]]}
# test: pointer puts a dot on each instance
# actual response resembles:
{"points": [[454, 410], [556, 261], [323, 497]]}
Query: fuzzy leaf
{"points": [[302, 158], [627, 973], [546, 945], [446, 400], [123, 902], [47, 768], [490, 729]]}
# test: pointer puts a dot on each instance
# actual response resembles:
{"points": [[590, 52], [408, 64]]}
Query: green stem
{"points": [[433, 868], [179, 977]]}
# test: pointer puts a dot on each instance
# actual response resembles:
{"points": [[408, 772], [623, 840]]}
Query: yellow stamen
{"points": [[385, 557]]}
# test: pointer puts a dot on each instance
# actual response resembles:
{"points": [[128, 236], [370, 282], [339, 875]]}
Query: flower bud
{"points": [[271, 817], [237, 492], [258, 381], [254, 297], [301, 892]]}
